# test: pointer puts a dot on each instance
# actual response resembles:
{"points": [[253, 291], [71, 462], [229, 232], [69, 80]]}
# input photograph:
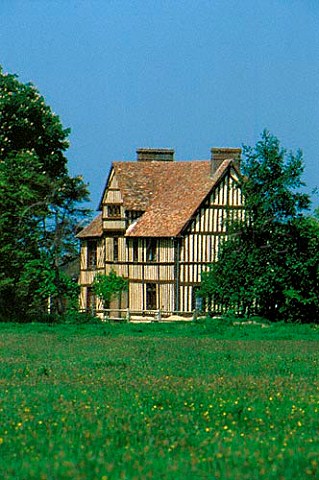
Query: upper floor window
{"points": [[115, 249], [150, 250], [132, 215], [135, 249], [114, 211], [91, 254]]}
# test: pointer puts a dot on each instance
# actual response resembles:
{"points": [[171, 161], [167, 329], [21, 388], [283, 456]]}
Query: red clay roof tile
{"points": [[94, 229], [169, 193]]}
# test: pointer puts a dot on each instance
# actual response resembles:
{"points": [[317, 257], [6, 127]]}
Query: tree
{"points": [[28, 124], [302, 288], [38, 199], [57, 244], [110, 286], [267, 262]]}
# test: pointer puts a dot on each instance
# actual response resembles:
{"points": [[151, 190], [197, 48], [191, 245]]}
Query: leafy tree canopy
{"points": [[268, 263], [272, 182], [28, 124], [39, 201]]}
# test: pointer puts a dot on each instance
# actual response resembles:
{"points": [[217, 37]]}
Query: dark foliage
{"points": [[268, 264], [39, 209]]}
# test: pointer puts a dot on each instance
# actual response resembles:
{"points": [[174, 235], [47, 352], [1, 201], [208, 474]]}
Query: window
{"points": [[135, 249], [114, 211], [150, 250], [151, 296], [134, 214], [90, 300], [197, 302], [221, 220], [115, 249], [91, 254]]}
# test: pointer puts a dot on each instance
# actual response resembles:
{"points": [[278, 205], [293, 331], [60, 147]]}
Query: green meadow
{"points": [[184, 401]]}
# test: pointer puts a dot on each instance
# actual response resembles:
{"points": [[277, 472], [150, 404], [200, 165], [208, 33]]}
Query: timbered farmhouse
{"points": [[159, 226]]}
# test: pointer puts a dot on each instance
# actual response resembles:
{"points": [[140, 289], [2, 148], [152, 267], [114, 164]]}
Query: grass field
{"points": [[187, 401]]}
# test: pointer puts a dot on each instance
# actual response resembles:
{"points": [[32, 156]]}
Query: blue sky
{"points": [[183, 74]]}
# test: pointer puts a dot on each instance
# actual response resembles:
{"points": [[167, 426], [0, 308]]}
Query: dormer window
{"points": [[135, 214], [132, 215], [114, 211]]}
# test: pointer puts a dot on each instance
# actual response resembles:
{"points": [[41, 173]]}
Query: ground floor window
{"points": [[90, 300], [151, 296], [197, 302]]}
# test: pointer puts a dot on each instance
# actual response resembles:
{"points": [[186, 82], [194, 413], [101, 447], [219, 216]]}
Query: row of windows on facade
{"points": [[150, 251], [151, 298], [114, 211]]}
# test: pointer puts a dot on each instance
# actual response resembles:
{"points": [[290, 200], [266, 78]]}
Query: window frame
{"points": [[90, 300], [135, 250], [115, 249], [91, 260], [114, 210], [151, 296], [197, 302], [151, 250]]}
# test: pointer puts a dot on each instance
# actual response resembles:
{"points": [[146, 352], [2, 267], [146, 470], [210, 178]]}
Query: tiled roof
{"points": [[171, 193], [140, 181], [94, 229]]}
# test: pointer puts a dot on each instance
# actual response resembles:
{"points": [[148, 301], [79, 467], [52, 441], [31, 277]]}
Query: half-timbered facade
{"points": [[159, 226]]}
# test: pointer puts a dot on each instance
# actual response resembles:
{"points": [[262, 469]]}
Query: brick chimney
{"points": [[218, 155], [155, 155]]}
